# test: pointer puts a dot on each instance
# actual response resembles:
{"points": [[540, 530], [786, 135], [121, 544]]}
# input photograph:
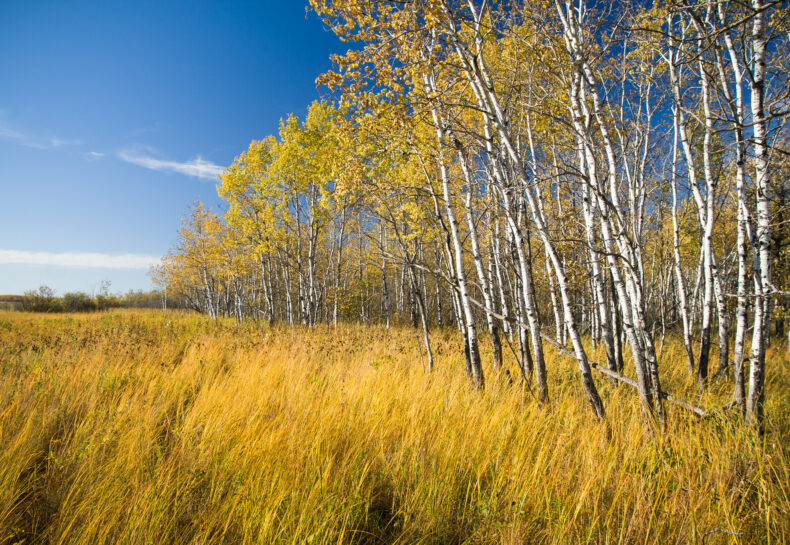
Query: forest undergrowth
{"points": [[145, 427]]}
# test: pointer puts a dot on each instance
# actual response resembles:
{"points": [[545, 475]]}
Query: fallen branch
{"points": [[720, 531], [702, 413]]}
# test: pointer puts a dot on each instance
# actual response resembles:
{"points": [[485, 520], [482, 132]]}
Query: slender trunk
{"points": [[680, 287], [384, 291], [423, 319], [762, 254], [604, 320], [463, 291], [493, 326]]}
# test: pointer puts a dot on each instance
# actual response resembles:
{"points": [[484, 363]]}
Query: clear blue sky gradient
{"points": [[87, 84]]}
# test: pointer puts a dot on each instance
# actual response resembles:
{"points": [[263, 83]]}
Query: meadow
{"points": [[144, 427]]}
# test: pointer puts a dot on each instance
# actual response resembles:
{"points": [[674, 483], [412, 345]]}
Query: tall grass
{"points": [[148, 428]]}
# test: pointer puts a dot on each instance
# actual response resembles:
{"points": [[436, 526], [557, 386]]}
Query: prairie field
{"points": [[144, 427]]}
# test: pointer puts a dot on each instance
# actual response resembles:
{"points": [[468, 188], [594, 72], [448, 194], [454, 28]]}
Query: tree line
{"points": [[531, 172], [44, 299]]}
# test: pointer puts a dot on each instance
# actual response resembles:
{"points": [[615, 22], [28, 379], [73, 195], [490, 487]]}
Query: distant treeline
{"points": [[44, 299]]}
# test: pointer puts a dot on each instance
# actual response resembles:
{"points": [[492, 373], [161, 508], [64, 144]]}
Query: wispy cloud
{"points": [[32, 141], [89, 260], [198, 168], [92, 156]]}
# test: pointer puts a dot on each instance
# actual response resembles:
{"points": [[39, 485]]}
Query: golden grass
{"points": [[147, 428]]}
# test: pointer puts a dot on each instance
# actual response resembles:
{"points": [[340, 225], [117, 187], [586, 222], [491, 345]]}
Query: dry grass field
{"points": [[158, 428]]}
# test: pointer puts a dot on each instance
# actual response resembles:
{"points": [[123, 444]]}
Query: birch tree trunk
{"points": [[680, 287], [762, 240], [493, 327], [744, 220]]}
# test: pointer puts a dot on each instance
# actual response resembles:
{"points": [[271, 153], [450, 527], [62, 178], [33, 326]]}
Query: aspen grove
{"points": [[553, 173]]}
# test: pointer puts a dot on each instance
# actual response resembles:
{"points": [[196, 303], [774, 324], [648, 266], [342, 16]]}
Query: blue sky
{"points": [[115, 117]]}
